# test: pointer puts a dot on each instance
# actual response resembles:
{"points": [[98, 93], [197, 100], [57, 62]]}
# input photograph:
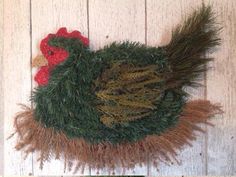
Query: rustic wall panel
{"points": [[221, 87], [25, 22], [1, 89], [16, 78]]}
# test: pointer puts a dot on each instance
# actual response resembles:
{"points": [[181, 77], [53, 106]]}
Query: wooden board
{"points": [[221, 88], [162, 17], [1, 89], [16, 79], [24, 23], [116, 20]]}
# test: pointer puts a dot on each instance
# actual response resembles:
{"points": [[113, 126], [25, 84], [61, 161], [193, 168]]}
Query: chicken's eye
{"points": [[50, 52]]}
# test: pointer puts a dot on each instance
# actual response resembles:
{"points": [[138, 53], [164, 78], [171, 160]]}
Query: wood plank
{"points": [[47, 17], [16, 79], [162, 17], [117, 20], [1, 90], [221, 88], [108, 21]]}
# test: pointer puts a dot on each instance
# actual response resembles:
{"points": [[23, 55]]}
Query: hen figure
{"points": [[112, 107]]}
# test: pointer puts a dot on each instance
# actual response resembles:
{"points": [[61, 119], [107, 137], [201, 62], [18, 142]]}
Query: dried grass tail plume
{"points": [[188, 46]]}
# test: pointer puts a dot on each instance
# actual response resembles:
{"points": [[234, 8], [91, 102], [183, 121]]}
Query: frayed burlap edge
{"points": [[34, 137]]}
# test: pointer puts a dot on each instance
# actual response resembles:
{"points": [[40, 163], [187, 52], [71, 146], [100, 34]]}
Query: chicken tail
{"points": [[187, 49]]}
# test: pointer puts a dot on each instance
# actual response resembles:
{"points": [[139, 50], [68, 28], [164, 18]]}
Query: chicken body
{"points": [[124, 91]]}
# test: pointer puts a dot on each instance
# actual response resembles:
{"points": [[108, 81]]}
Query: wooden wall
{"points": [[24, 22]]}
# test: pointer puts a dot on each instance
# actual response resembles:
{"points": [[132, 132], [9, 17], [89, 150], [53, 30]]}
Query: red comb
{"points": [[59, 54], [74, 34]]}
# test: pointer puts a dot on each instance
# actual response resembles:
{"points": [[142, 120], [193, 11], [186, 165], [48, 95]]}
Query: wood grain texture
{"points": [[162, 17], [47, 17], [24, 23], [16, 79], [1, 90], [221, 88], [116, 20]]}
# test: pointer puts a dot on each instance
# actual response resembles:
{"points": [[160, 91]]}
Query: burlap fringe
{"points": [[33, 136]]}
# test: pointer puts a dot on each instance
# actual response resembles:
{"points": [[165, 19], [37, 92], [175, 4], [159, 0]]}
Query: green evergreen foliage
{"points": [[68, 103]]}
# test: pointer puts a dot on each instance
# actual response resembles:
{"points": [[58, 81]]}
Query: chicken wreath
{"points": [[112, 107]]}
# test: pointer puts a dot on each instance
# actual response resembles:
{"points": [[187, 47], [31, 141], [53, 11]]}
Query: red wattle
{"points": [[42, 76]]}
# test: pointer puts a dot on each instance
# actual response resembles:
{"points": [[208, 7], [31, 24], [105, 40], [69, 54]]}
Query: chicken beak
{"points": [[39, 61]]}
